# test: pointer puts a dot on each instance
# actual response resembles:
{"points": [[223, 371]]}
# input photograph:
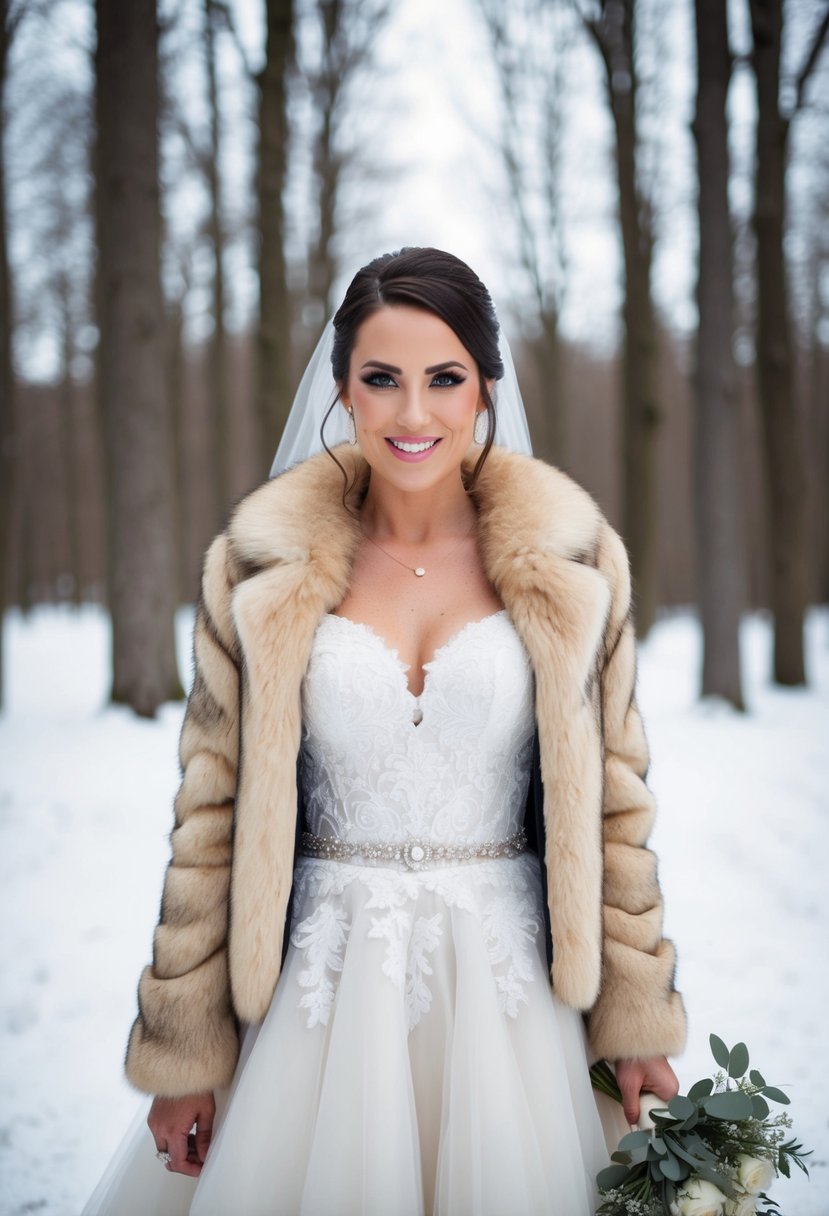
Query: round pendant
{"points": [[420, 572]]}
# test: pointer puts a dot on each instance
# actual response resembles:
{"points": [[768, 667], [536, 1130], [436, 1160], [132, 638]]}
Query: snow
{"points": [[85, 808]]}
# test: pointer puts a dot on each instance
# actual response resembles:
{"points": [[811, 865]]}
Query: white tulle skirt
{"points": [[351, 1110]]}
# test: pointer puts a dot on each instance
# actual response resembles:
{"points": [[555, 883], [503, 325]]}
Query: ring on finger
{"points": [[164, 1157]]}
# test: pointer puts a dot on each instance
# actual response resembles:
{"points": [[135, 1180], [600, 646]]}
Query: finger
{"points": [[630, 1100], [664, 1083], [178, 1149], [204, 1134]]}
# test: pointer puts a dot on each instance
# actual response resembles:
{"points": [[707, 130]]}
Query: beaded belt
{"points": [[415, 854]]}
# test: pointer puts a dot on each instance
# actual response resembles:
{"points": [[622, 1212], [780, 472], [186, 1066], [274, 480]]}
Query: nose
{"points": [[413, 411]]}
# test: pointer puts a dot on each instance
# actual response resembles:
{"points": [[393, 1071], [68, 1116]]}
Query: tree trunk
{"points": [[784, 460], [721, 574], [546, 351], [68, 454], [7, 418], [614, 35], [217, 380], [322, 264], [274, 336], [132, 363]]}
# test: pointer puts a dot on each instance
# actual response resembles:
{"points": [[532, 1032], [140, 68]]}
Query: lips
{"points": [[412, 447]]}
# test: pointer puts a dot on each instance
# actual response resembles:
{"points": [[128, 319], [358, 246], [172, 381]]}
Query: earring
{"points": [[351, 427], [481, 427]]}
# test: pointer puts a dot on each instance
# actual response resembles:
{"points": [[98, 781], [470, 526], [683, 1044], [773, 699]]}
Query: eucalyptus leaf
{"points": [[719, 1050], [757, 1078], [701, 1089], [611, 1176], [734, 1105], [681, 1107], [696, 1145], [691, 1121], [658, 1145], [738, 1060], [683, 1152], [622, 1158], [776, 1095], [634, 1140], [760, 1107], [673, 1168]]}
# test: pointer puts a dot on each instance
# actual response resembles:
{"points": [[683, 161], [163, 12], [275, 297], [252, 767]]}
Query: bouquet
{"points": [[711, 1152]]}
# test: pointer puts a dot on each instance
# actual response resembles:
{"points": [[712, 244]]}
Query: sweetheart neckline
{"points": [[404, 668]]}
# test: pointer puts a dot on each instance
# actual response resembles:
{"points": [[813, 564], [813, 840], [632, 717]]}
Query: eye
{"points": [[447, 379], [379, 380]]}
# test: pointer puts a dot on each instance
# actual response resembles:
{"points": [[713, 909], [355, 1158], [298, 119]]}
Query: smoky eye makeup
{"points": [[378, 379]]}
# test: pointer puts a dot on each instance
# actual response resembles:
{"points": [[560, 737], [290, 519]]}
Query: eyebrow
{"points": [[429, 371]]}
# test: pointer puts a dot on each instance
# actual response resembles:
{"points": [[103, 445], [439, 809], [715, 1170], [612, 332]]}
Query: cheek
{"points": [[460, 410], [372, 408]]}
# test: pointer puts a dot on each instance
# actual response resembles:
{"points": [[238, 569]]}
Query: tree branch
{"points": [[810, 61]]}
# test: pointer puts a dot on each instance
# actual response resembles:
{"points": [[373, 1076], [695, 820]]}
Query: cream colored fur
{"points": [[284, 560]]}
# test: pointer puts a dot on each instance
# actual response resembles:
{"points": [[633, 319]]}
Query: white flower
{"points": [[647, 1103], [700, 1198], [754, 1174]]}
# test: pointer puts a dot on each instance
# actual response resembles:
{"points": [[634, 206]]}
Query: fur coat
{"points": [[283, 560]]}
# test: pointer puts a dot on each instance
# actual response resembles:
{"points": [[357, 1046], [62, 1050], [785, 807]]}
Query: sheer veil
{"points": [[317, 390]]}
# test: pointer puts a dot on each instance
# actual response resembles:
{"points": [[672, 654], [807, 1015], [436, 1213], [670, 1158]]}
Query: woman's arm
{"points": [[184, 1040], [639, 1014]]}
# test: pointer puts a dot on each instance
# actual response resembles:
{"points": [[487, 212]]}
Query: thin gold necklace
{"points": [[418, 571]]}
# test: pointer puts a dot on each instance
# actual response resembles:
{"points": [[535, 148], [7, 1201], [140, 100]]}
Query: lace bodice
{"points": [[452, 765]]}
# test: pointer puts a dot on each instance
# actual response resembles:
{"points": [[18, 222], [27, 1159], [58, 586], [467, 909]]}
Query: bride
{"points": [[410, 897]]}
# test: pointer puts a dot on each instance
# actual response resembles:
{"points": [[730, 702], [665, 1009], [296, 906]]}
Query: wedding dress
{"points": [[414, 1058]]}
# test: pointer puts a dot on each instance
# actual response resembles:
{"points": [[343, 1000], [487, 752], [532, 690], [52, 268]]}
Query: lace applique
{"points": [[500, 895], [322, 937]]}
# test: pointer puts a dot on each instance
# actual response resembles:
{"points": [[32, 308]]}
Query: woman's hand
{"points": [[171, 1119], [655, 1075]]}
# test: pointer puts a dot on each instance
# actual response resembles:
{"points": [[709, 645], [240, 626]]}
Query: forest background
{"points": [[187, 188]]}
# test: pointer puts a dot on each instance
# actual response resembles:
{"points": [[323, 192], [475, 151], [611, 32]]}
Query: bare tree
{"points": [[529, 46], [142, 580], [12, 15], [274, 330], [217, 380], [720, 553], [782, 431], [612, 28], [346, 36]]}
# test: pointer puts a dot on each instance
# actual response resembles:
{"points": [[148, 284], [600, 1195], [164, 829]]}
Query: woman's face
{"points": [[414, 390]]}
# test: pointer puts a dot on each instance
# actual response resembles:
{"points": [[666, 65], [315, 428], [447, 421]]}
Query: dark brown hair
{"points": [[439, 283]]}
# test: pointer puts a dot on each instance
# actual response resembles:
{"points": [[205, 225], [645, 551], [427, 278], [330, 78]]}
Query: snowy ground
{"points": [[743, 838]]}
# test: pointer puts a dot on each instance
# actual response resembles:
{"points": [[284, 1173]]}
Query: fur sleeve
{"points": [[638, 1012], [184, 1039]]}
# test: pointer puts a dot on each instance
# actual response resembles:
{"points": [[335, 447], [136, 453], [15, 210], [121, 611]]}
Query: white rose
{"points": [[647, 1103], [700, 1198], [754, 1174]]}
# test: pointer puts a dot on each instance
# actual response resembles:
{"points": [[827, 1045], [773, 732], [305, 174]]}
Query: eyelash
{"points": [[453, 377]]}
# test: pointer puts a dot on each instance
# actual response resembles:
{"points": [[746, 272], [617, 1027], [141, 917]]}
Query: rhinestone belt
{"points": [[415, 854]]}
